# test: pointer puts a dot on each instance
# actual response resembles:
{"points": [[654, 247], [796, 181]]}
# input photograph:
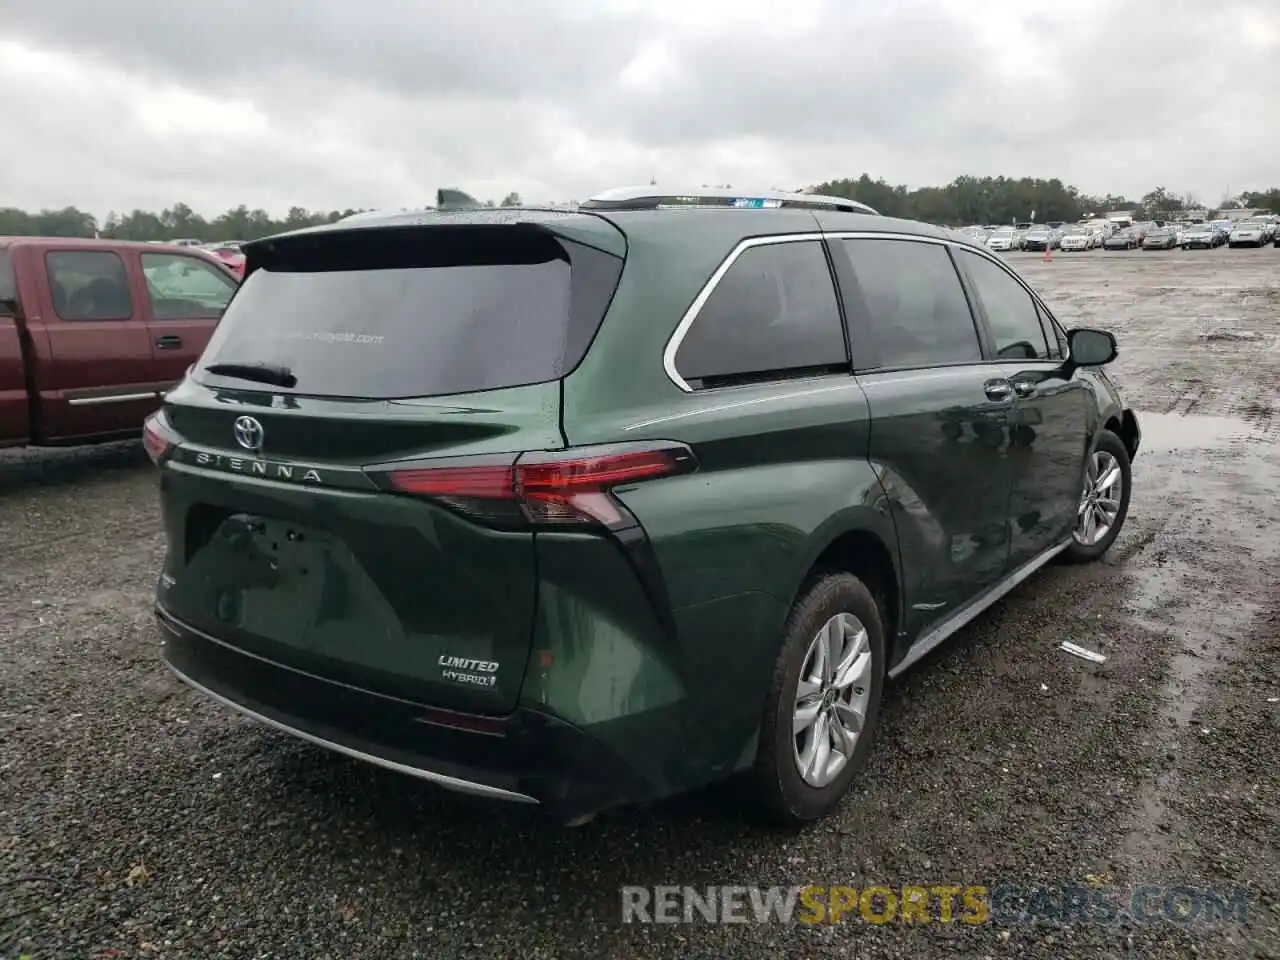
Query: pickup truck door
{"points": [[14, 423], [91, 357], [183, 297]]}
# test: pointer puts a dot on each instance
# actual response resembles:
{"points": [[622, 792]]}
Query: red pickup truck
{"points": [[93, 332]]}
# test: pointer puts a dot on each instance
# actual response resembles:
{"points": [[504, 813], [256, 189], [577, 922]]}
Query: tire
{"points": [[1110, 445], [780, 792]]}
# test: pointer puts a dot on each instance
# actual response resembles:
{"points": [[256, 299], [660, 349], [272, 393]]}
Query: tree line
{"points": [[966, 200], [998, 200]]}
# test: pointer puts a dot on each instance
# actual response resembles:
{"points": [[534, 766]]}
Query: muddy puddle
{"points": [[1175, 432]]}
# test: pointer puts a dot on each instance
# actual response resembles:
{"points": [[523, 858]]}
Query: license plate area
{"points": [[289, 549]]}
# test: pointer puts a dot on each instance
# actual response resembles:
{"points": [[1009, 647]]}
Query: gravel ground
{"points": [[139, 820]]}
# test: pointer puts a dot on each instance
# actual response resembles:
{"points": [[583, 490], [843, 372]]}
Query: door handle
{"points": [[1024, 388], [998, 389], [170, 341]]}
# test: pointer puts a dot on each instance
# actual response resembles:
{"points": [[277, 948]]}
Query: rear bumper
{"points": [[527, 757]]}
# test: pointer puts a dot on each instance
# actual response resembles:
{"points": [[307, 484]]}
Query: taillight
{"points": [[157, 439], [564, 489]]}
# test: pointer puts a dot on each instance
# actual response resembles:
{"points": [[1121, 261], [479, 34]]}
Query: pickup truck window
{"points": [[8, 283], [185, 287], [89, 285]]}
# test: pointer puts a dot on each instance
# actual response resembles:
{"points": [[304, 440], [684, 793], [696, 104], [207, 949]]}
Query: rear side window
{"points": [[773, 314], [1011, 312], [390, 313], [8, 283], [89, 285], [915, 306]]}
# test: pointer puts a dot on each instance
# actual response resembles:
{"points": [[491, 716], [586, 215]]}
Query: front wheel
{"points": [[1104, 500], [823, 700]]}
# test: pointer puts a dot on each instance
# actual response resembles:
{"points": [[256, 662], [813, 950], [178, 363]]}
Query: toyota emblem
{"points": [[248, 433]]}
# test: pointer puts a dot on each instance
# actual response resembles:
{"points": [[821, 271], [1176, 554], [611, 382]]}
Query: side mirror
{"points": [[1090, 348]]}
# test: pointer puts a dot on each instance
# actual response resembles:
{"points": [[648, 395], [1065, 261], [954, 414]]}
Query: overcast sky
{"points": [[359, 103]]}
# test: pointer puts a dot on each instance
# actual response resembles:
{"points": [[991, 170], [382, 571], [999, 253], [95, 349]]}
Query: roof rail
{"points": [[656, 198]]}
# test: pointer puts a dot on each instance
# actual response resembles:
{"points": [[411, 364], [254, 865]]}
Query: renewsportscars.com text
{"points": [[933, 903]]}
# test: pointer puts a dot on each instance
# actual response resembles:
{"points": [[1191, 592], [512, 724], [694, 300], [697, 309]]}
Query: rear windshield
{"points": [[394, 313]]}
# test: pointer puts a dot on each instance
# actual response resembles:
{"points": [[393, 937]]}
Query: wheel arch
{"points": [[866, 548], [1124, 425]]}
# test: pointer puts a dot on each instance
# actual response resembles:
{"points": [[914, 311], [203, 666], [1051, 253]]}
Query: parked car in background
{"points": [[1038, 238], [1249, 233], [1125, 239], [1201, 236], [1079, 238], [1003, 239], [1142, 228], [230, 255], [94, 332], [515, 585], [1020, 231], [1160, 238], [187, 242]]}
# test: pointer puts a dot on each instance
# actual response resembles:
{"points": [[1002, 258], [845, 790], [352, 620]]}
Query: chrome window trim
{"points": [[690, 315]]}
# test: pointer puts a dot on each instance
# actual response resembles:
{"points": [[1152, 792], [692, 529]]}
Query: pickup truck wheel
{"points": [[823, 701], [1104, 500]]}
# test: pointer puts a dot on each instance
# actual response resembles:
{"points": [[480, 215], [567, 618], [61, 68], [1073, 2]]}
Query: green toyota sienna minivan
{"points": [[582, 508]]}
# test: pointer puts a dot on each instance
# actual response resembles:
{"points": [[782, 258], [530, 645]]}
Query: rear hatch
{"points": [[348, 360]]}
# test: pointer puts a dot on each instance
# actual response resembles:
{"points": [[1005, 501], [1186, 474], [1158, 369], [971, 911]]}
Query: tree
{"points": [[968, 199], [1264, 199], [1158, 205]]}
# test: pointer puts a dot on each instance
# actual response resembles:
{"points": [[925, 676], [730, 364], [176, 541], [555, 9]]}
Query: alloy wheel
{"points": [[1100, 500], [831, 699]]}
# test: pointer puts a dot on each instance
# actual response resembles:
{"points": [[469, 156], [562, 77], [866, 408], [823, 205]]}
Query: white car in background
{"points": [[1079, 238], [1254, 232], [1004, 240]]}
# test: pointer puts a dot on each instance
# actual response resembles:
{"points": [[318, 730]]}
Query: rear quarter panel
{"points": [[783, 473]]}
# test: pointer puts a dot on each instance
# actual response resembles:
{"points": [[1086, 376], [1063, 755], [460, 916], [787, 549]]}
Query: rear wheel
{"points": [[823, 702], [1104, 500]]}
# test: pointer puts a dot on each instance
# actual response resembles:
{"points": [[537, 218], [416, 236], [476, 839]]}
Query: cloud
{"points": [[339, 103]]}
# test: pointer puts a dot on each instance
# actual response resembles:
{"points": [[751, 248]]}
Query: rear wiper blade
{"points": [[272, 373]]}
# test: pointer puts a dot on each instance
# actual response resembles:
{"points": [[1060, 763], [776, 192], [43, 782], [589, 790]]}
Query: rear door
{"points": [[95, 378], [939, 414], [184, 297], [421, 360], [1050, 415]]}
